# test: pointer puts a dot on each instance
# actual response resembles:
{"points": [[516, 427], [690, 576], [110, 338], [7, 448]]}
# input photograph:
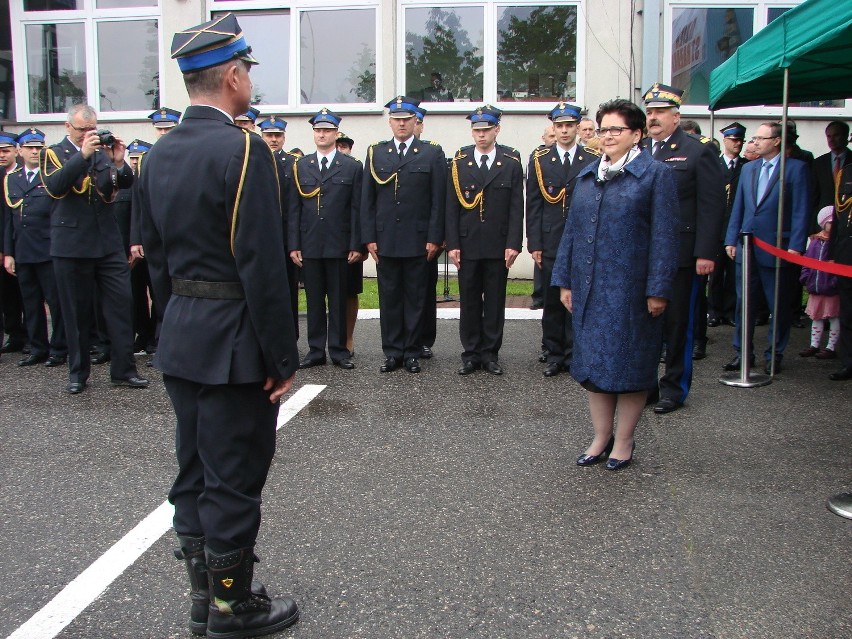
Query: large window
{"points": [[702, 34], [312, 52], [500, 52], [102, 52]]}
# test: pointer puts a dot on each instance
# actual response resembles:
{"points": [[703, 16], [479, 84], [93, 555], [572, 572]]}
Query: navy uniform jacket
{"points": [[549, 193], [701, 194], [323, 215], [496, 222], [732, 179], [406, 210], [284, 161], [822, 178], [121, 208], [27, 219], [82, 225], [210, 213]]}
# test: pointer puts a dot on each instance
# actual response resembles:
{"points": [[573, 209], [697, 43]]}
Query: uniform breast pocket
{"points": [[64, 221], [420, 173], [502, 185], [307, 182], [341, 180]]}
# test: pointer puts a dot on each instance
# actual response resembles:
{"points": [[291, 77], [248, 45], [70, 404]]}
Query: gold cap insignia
{"points": [[228, 582]]}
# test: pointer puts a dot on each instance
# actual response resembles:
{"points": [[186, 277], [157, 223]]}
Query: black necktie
{"points": [[30, 175], [657, 147], [732, 164], [566, 163], [401, 150], [483, 164], [323, 166]]}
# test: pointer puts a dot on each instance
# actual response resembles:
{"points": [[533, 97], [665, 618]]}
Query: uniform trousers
{"points": [[225, 441], [557, 328], [78, 279], [679, 335], [12, 309], [144, 313], [722, 297], [429, 330], [482, 287], [38, 285], [326, 279], [700, 317], [764, 277], [402, 291], [844, 346], [293, 286]]}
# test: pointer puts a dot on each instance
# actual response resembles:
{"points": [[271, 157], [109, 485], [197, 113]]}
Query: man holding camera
{"points": [[83, 174]]}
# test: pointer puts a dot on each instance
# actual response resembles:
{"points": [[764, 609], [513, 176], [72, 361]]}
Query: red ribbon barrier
{"points": [[843, 270]]}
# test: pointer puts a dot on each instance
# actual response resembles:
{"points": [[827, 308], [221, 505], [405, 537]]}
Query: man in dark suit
{"points": [[212, 232], [826, 169], [402, 222], [26, 244], [83, 176], [756, 210], [840, 250], [11, 303], [701, 203], [722, 300], [485, 226], [323, 222], [550, 184], [274, 132]]}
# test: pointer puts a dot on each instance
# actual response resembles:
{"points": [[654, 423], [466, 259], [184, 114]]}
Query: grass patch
{"points": [[370, 297]]}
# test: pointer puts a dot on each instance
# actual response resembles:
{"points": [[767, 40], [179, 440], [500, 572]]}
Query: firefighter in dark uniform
{"points": [[164, 120], [212, 229], [484, 228], [247, 120], [83, 176], [402, 222], [550, 184], [27, 249], [11, 303], [840, 250], [323, 223], [274, 132], [701, 202]]}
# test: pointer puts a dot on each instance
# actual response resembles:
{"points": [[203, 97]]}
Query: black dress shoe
{"points": [[75, 388], [100, 358], [32, 360], [767, 367], [309, 362], [618, 464], [346, 364], [842, 375], [493, 368], [666, 405], [390, 365], [426, 353], [552, 370], [131, 382], [55, 360], [591, 460], [535, 306], [699, 351], [734, 364], [412, 365], [467, 368], [713, 322]]}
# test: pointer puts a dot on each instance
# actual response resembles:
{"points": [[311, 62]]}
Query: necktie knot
{"points": [[323, 164], [483, 162], [402, 146]]}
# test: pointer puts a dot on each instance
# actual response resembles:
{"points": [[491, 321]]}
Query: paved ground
{"points": [[403, 506]]}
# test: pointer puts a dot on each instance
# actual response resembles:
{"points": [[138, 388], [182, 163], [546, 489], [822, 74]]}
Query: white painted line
{"points": [[89, 584], [453, 313]]}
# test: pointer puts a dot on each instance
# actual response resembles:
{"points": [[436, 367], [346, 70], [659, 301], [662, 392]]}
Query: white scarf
{"points": [[607, 170]]}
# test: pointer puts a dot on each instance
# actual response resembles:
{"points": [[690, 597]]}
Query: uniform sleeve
{"points": [[259, 255], [710, 203], [452, 213], [515, 237], [293, 218], [368, 205], [149, 236], [535, 206], [59, 180], [355, 211], [439, 195]]}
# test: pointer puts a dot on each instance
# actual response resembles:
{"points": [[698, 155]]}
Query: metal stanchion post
{"points": [[841, 504], [745, 378], [447, 296]]}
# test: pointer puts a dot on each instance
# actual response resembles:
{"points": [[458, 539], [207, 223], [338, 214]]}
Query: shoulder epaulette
{"points": [[704, 139], [295, 155], [459, 155], [433, 143], [541, 151], [592, 151], [511, 152], [16, 169]]}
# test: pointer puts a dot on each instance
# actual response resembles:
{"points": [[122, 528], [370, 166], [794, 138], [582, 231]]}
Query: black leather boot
{"points": [[192, 552], [238, 610]]}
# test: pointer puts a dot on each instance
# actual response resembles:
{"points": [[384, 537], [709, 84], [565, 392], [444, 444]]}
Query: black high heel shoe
{"points": [[616, 464], [591, 460]]}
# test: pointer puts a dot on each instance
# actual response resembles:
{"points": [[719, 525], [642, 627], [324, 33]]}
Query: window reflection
{"points": [[537, 53], [56, 66], [702, 39], [443, 53], [269, 37], [128, 67], [52, 5], [338, 56]]}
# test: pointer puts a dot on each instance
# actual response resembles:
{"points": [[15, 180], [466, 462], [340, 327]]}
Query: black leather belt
{"points": [[208, 290]]}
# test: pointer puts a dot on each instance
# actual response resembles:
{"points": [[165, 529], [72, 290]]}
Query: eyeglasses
{"points": [[614, 130], [758, 138], [83, 129]]}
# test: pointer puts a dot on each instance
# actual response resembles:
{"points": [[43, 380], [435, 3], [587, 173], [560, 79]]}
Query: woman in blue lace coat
{"points": [[615, 266]]}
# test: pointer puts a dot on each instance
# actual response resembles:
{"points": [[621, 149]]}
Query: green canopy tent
{"points": [[804, 54]]}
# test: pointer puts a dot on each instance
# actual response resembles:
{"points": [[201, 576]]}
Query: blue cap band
{"points": [[213, 57], [30, 137], [8, 139]]}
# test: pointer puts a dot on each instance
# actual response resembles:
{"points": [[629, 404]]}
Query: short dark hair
{"points": [[691, 126], [775, 128], [633, 116], [837, 124]]}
